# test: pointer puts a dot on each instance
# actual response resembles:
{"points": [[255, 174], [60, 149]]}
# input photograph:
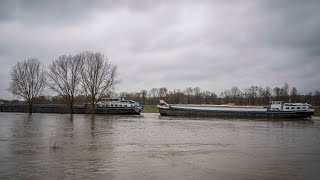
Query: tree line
{"points": [[253, 95], [88, 74]]}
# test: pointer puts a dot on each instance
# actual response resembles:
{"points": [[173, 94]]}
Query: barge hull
{"points": [[232, 114], [63, 109]]}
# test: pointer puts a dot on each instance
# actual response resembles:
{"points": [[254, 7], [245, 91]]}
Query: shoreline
{"points": [[64, 109]]}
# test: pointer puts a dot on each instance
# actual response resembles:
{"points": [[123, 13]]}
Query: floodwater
{"points": [[60, 146]]}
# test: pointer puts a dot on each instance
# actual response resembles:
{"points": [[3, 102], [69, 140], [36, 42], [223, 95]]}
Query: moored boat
{"points": [[118, 106], [277, 109]]}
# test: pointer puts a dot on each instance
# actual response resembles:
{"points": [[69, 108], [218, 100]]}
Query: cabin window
{"points": [[111, 105], [125, 105], [120, 105], [287, 107], [304, 107], [292, 107], [298, 107], [116, 105]]}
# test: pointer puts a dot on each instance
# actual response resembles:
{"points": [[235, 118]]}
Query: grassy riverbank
{"points": [[317, 111], [150, 109]]}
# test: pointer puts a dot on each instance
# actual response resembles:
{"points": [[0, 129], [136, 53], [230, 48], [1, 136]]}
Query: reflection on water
{"points": [[153, 147]]}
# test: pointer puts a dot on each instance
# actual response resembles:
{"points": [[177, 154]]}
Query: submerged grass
{"points": [[54, 146], [150, 109]]}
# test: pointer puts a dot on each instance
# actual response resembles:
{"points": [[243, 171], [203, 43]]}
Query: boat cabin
{"points": [[115, 103], [280, 106]]}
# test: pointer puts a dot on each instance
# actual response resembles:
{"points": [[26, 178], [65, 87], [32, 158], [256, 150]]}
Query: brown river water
{"points": [[62, 146]]}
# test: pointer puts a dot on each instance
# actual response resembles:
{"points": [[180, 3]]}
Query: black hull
{"points": [[233, 114], [63, 109]]}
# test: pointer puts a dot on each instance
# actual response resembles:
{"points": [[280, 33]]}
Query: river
{"points": [[62, 146]]}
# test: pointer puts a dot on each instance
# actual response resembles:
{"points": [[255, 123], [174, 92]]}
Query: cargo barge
{"points": [[277, 109], [105, 106]]}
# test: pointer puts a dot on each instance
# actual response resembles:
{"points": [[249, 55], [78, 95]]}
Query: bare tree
{"points": [[251, 94], [197, 95], [162, 92], [65, 78], [294, 95], [266, 95], [209, 97], [308, 98], [99, 76], [316, 98], [235, 93], [178, 96], [144, 95], [153, 94], [189, 92], [226, 95], [277, 93], [285, 92], [27, 80]]}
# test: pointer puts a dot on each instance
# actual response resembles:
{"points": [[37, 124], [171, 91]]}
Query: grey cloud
{"points": [[211, 44], [59, 12], [292, 24]]}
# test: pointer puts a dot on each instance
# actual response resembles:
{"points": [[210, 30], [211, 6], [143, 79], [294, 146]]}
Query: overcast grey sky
{"points": [[175, 44]]}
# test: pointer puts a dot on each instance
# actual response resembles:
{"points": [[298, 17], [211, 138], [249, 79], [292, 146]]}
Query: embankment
{"points": [[150, 109], [64, 109], [317, 111]]}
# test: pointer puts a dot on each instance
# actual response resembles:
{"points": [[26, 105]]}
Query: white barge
{"points": [[277, 109], [118, 106]]}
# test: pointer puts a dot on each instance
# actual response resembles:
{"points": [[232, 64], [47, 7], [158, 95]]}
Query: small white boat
{"points": [[120, 105]]}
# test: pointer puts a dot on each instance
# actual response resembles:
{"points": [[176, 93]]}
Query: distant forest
{"points": [[253, 95]]}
